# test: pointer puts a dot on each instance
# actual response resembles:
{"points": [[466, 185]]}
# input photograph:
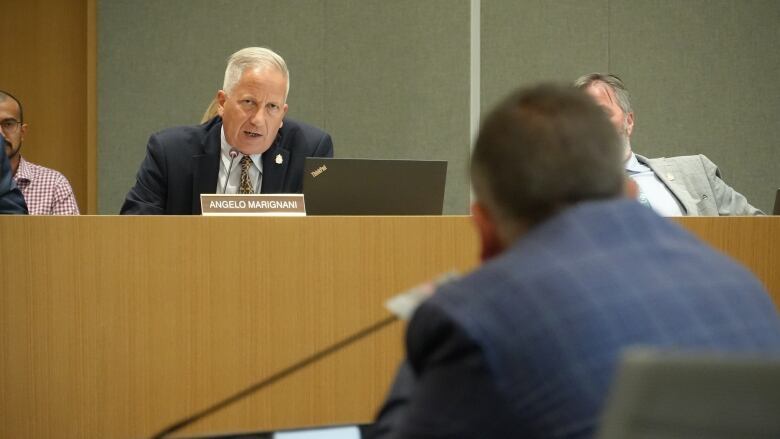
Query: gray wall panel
{"points": [[703, 75], [537, 40], [385, 79], [398, 84], [161, 63], [391, 79]]}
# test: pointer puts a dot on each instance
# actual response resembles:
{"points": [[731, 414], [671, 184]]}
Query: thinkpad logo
{"points": [[319, 171]]}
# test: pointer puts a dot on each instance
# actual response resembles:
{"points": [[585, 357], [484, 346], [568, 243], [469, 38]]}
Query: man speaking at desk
{"points": [[249, 148]]}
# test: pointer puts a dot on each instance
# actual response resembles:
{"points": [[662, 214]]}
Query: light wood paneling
{"points": [[117, 326], [755, 242], [45, 65]]}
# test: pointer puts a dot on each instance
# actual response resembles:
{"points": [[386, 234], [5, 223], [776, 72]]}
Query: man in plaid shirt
{"points": [[46, 191]]}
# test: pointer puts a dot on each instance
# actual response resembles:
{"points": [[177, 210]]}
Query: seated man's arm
{"points": [[452, 393], [64, 200], [729, 201], [149, 195]]}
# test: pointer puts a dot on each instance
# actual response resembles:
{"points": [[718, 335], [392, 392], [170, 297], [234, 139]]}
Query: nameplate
{"points": [[252, 205]]}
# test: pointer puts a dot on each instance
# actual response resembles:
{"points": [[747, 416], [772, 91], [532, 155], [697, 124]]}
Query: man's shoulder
{"points": [[302, 133], [293, 125], [577, 249], [186, 136], [683, 162], [33, 171], [304, 139]]}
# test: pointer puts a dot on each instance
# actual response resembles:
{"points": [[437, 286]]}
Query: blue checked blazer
{"points": [[526, 346]]}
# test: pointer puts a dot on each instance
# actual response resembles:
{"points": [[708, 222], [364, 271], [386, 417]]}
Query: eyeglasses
{"points": [[9, 126]]}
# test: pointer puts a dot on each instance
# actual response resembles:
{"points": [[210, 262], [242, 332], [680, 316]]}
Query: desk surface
{"points": [[117, 326]]}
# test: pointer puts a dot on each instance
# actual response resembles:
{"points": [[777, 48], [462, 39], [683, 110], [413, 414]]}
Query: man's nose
{"points": [[258, 118]]}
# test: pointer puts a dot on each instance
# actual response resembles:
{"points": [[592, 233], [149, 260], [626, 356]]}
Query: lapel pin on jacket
{"points": [[279, 159]]}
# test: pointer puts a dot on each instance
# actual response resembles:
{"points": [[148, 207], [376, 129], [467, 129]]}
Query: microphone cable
{"points": [[313, 358]]}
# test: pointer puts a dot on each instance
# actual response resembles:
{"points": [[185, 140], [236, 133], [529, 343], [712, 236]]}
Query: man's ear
{"points": [[487, 228], [221, 97], [630, 188], [629, 124]]}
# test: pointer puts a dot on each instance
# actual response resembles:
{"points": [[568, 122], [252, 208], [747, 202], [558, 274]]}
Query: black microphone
{"points": [[313, 358], [233, 154]]}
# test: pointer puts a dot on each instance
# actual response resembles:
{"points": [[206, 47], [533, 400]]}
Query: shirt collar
{"points": [[633, 166], [24, 172], [257, 159]]}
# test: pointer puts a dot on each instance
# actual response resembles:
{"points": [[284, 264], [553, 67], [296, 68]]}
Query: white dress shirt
{"points": [[652, 189], [234, 179]]}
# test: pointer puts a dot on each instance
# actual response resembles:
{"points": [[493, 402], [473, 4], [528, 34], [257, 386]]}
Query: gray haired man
{"points": [[251, 130], [672, 186]]}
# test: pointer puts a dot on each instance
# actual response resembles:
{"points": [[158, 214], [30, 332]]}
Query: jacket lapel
{"points": [[205, 166], [276, 162], [671, 179]]}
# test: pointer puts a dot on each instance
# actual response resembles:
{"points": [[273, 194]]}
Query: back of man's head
{"points": [[543, 149]]}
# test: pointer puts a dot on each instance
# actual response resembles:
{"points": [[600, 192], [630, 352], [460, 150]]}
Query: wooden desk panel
{"points": [[753, 241], [117, 326]]}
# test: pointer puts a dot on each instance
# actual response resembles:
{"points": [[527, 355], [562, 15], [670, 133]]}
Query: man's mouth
{"points": [[252, 134]]}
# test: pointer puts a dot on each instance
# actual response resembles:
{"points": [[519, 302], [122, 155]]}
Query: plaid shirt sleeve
{"points": [[64, 201]]}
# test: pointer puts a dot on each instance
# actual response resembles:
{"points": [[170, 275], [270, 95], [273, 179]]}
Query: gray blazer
{"points": [[695, 181]]}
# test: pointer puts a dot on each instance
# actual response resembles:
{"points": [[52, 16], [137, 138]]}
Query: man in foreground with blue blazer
{"points": [[573, 272], [673, 186], [249, 148]]}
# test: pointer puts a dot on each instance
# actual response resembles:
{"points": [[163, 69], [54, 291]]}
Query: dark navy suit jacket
{"points": [[11, 199], [526, 346], [183, 162]]}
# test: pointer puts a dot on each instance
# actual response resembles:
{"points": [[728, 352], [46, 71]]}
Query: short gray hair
{"points": [[253, 57], [613, 82]]}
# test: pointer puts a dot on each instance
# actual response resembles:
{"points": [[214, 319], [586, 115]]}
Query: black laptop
{"points": [[336, 186]]}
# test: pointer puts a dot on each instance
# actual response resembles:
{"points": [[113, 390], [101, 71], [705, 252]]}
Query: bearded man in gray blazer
{"points": [[672, 186]]}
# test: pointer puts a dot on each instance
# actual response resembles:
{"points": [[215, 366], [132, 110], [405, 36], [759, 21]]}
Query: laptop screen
{"points": [[336, 186]]}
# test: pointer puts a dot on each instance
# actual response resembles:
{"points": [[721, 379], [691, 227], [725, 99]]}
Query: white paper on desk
{"points": [[349, 432], [403, 305]]}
